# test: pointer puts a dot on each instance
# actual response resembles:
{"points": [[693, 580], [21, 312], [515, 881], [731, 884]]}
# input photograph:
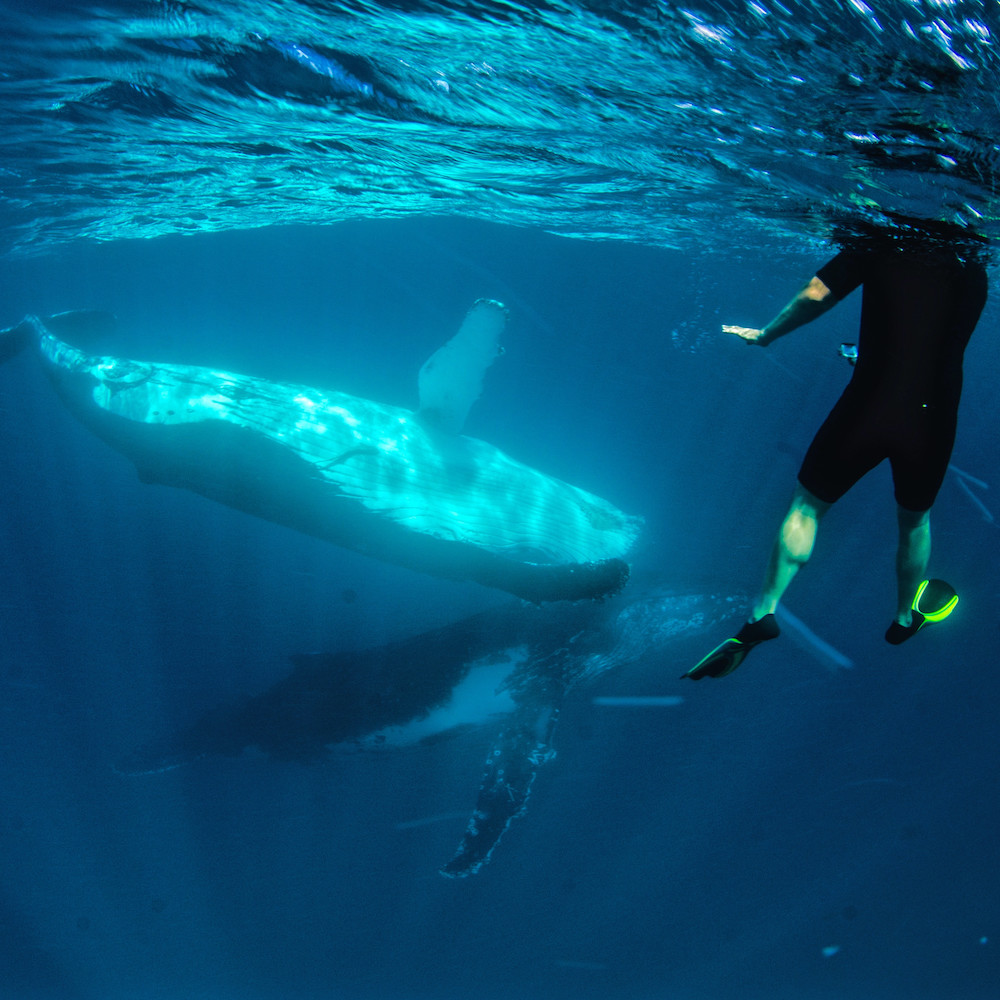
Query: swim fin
{"points": [[935, 600], [728, 655]]}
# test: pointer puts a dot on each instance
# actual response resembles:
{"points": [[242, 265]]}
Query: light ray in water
{"points": [[637, 701], [412, 824], [963, 475], [976, 502], [809, 640], [862, 782], [964, 479]]}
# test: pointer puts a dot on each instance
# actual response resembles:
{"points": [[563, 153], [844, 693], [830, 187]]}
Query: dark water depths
{"points": [[794, 830]]}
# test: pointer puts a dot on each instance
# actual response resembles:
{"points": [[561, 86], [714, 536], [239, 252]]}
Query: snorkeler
{"points": [[921, 301]]}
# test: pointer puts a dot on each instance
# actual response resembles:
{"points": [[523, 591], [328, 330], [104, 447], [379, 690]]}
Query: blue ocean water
{"points": [[316, 192]]}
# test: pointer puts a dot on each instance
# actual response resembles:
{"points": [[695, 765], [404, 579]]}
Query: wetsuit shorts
{"points": [[858, 435], [902, 402]]}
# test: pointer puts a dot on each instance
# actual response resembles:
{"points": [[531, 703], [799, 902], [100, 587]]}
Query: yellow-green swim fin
{"points": [[935, 600]]}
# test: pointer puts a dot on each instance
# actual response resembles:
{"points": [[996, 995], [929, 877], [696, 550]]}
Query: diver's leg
{"points": [[792, 549], [912, 557]]}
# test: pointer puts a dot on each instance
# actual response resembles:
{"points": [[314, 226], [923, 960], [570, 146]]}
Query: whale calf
{"points": [[508, 670], [399, 485]]}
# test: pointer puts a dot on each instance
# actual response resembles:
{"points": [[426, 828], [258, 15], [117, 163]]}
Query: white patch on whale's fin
{"points": [[452, 377]]}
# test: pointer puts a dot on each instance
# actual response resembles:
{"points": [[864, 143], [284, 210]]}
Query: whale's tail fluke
{"points": [[80, 325], [14, 340]]}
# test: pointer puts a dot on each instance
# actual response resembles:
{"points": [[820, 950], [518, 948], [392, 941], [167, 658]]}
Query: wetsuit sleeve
{"points": [[843, 274]]}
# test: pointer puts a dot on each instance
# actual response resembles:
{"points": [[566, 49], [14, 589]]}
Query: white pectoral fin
{"points": [[452, 377]]}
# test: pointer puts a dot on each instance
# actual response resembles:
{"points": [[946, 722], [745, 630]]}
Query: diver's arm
{"points": [[812, 301]]}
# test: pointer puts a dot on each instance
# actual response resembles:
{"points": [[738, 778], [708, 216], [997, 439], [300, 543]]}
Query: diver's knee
{"points": [[808, 503], [912, 520]]}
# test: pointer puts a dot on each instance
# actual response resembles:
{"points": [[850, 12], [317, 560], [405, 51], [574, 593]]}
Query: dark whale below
{"points": [[508, 670]]}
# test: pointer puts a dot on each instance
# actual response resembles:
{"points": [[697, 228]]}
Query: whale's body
{"points": [[395, 484], [508, 670]]}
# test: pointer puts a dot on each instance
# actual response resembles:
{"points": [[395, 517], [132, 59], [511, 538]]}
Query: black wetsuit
{"points": [[917, 315]]}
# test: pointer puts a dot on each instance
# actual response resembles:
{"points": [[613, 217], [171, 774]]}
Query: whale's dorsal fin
{"points": [[452, 377]]}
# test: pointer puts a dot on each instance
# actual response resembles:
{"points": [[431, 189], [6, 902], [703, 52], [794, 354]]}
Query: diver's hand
{"points": [[745, 333]]}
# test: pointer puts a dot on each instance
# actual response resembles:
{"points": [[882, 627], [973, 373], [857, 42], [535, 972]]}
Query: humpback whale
{"points": [[403, 486], [509, 669]]}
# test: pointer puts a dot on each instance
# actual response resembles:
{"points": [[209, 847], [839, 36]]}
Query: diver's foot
{"points": [[935, 600], [728, 655], [897, 633]]}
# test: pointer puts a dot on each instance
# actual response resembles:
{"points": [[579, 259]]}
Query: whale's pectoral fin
{"points": [[523, 745], [452, 377]]}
